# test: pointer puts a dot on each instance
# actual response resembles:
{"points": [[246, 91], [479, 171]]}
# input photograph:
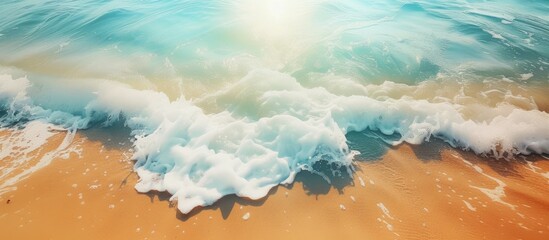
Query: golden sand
{"points": [[411, 193]]}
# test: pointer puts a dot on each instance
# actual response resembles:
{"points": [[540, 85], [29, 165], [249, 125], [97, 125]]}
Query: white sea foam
{"points": [[21, 150], [17, 151], [262, 130], [526, 76], [496, 194], [469, 206], [246, 216], [361, 181], [495, 35], [385, 211]]}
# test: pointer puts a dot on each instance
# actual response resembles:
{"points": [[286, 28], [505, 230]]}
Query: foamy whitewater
{"points": [[237, 97]]}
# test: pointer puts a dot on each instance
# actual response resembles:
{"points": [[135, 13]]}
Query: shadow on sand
{"points": [[373, 146], [225, 205], [115, 136], [505, 167]]}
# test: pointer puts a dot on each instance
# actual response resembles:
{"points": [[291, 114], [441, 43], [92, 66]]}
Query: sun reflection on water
{"points": [[277, 20]]}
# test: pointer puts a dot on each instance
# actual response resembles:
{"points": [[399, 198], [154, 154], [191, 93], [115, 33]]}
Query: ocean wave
{"points": [[236, 97], [263, 129]]}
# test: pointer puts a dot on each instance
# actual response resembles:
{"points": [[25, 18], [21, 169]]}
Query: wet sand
{"points": [[413, 192]]}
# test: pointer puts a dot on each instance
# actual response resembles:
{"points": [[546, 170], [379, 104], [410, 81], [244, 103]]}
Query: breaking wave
{"points": [[238, 97]]}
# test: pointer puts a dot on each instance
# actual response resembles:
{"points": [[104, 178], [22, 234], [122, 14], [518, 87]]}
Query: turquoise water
{"points": [[236, 97], [406, 41]]}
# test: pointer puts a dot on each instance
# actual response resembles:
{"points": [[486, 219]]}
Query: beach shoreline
{"points": [[274, 119], [412, 192]]}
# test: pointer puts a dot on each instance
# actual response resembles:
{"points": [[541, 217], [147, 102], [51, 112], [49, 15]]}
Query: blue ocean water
{"points": [[236, 97], [407, 41]]}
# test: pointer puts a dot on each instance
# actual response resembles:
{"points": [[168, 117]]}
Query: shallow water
{"points": [[237, 97]]}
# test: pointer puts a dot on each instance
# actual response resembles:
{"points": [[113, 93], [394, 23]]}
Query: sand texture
{"points": [[412, 192]]}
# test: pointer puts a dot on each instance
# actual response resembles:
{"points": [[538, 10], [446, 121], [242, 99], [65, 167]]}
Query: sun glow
{"points": [[277, 9], [274, 19]]}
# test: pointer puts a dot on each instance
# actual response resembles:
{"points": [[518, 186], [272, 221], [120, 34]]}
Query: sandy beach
{"points": [[425, 192]]}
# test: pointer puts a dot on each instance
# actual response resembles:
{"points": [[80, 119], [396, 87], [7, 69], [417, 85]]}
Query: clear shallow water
{"points": [[236, 97]]}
